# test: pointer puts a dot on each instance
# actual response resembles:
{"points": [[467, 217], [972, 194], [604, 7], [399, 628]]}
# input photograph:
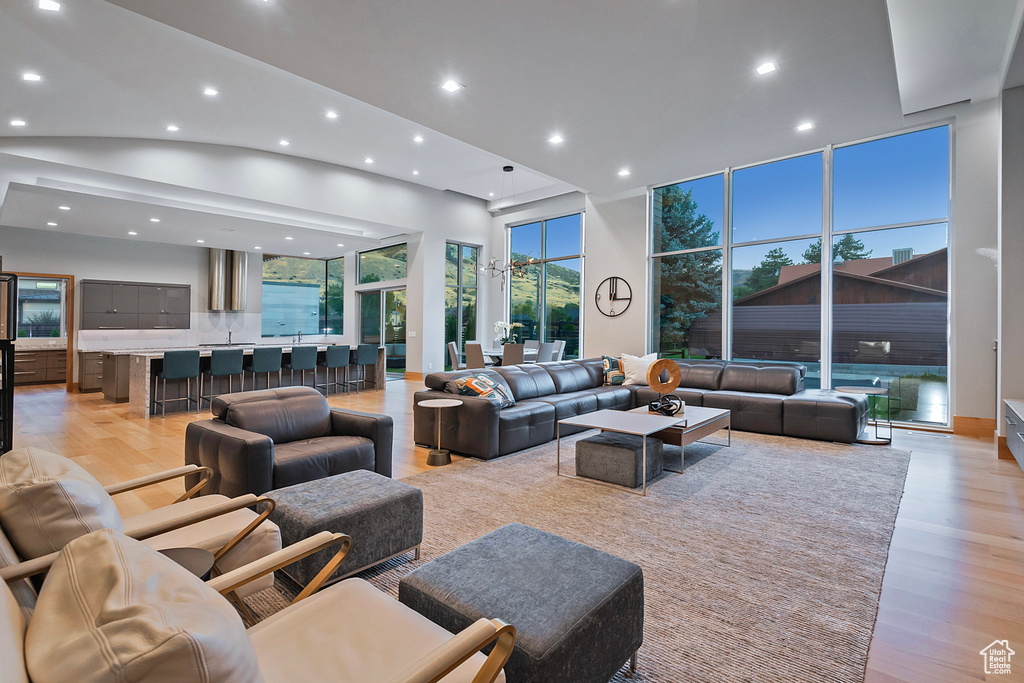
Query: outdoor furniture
{"points": [[579, 612], [172, 626], [475, 356], [365, 354], [383, 516], [454, 356], [618, 458], [546, 352], [512, 354], [302, 358], [268, 439], [265, 359], [335, 358], [223, 363], [177, 366]]}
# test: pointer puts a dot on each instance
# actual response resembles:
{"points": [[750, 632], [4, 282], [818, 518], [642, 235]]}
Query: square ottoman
{"points": [[617, 458], [384, 517], [825, 415], [578, 612]]}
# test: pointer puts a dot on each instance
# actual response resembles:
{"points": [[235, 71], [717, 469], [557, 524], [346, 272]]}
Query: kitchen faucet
{"points": [[229, 336], [300, 336]]}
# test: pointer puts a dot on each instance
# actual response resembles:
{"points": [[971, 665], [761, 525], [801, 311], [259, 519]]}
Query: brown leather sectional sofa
{"points": [[765, 398]]}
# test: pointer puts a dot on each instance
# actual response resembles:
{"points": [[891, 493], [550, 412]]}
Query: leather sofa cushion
{"points": [[692, 397], [213, 534], [762, 380], [825, 415], [528, 381], [614, 397], [112, 609], [526, 424], [301, 461], [569, 376], [12, 638], [23, 592], [750, 412], [284, 417], [47, 500], [351, 632], [706, 376], [568, 405], [595, 368]]}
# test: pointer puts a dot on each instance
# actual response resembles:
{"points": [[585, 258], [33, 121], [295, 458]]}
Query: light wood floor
{"points": [[954, 581]]}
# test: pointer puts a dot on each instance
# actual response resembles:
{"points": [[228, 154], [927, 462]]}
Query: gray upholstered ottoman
{"points": [[384, 517], [824, 415], [618, 458], [578, 612]]}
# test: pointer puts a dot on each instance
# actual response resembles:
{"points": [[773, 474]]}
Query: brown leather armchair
{"points": [[263, 440]]}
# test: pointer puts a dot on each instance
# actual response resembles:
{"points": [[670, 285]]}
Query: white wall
{"points": [[1011, 250]]}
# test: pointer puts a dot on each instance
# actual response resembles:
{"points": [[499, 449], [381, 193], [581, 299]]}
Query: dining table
{"points": [[529, 355]]}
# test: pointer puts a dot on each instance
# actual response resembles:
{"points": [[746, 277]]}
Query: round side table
{"points": [[873, 393], [440, 456]]}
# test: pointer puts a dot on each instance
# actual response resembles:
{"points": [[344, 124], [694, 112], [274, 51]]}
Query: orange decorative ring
{"points": [[675, 375]]}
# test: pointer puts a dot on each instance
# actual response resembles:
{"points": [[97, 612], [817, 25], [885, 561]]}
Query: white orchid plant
{"points": [[504, 332]]}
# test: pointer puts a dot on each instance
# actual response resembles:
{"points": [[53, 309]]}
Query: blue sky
{"points": [[563, 238]]}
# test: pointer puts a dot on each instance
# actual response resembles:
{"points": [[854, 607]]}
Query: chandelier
{"points": [[514, 268]]}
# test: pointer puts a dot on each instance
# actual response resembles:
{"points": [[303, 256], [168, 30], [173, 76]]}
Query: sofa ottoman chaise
{"points": [[578, 611], [825, 415]]}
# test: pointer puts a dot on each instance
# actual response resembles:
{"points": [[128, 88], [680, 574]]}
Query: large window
{"points": [[384, 264], [460, 279], [885, 321], [41, 307], [302, 295], [547, 300]]}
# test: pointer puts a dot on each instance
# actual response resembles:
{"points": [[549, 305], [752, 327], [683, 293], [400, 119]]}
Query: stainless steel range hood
{"points": [[228, 279]]}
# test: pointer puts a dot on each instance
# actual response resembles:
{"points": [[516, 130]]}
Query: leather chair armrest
{"points": [[445, 658], [242, 461], [380, 429]]}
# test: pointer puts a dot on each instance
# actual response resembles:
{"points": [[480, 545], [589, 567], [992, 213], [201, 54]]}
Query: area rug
{"points": [[762, 562]]}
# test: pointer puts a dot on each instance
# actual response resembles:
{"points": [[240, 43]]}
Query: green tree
{"points": [[765, 274], [690, 284], [849, 248]]}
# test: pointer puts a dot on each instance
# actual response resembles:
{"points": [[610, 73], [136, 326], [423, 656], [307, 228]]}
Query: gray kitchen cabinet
{"points": [[90, 371], [40, 366], [134, 306], [115, 377]]}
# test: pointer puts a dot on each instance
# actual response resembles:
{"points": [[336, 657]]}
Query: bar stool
{"points": [[365, 354], [223, 363], [303, 358], [265, 359], [178, 365], [337, 357]]}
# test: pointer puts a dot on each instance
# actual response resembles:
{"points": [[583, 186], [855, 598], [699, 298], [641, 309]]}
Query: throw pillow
{"points": [[635, 367], [482, 386], [112, 609], [47, 500], [613, 373]]}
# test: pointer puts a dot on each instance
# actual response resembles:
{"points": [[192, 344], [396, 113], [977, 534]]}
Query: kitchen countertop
{"points": [[158, 352], [1016, 405]]}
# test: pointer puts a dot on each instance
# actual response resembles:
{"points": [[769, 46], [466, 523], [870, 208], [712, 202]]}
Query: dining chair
{"points": [[531, 344], [512, 354], [546, 352], [475, 356], [453, 356], [265, 359], [177, 366], [559, 349], [223, 363]]}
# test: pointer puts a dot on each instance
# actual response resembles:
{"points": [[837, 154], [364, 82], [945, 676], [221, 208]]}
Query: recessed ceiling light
{"points": [[257, 248], [154, 220], [17, 122], [284, 143], [331, 114], [201, 241], [211, 92], [29, 76], [172, 128], [132, 232], [49, 5], [452, 86], [766, 68], [556, 139], [805, 126], [289, 238], [305, 253], [415, 172], [52, 224], [490, 194], [624, 172], [340, 244], [64, 208], [368, 160], [418, 138]]}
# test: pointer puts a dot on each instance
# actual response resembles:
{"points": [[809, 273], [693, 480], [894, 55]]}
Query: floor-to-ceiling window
{"points": [[460, 295], [382, 312], [547, 299], [302, 295], [754, 270]]}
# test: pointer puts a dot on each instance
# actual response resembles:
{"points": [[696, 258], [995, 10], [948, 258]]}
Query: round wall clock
{"points": [[613, 296]]}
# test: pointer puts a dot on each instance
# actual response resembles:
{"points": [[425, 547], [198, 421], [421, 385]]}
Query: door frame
{"points": [[70, 383]]}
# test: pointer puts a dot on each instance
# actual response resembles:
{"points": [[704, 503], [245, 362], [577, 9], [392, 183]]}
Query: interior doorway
{"points": [[382, 317]]}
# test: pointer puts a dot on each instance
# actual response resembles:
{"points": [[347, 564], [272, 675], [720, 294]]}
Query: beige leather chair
{"points": [[47, 500], [512, 354], [454, 356], [475, 356], [173, 626]]}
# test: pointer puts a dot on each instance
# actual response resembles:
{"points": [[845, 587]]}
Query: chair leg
{"points": [[163, 403]]}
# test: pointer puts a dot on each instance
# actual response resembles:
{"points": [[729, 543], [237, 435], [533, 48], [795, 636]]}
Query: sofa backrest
{"points": [[593, 366], [528, 381], [776, 379], [285, 415], [438, 381], [700, 375], [569, 376]]}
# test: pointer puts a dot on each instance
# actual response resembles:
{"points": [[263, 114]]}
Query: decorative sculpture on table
{"points": [[667, 403]]}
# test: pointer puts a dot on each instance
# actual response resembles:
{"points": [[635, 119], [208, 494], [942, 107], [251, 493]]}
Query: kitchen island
{"points": [[145, 363]]}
